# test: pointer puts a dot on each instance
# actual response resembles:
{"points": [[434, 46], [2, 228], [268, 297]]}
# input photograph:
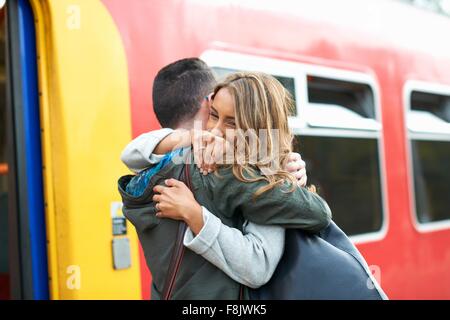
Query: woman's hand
{"points": [[209, 150], [176, 201]]}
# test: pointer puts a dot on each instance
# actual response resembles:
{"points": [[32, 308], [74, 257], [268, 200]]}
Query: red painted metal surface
{"points": [[4, 286], [351, 35]]}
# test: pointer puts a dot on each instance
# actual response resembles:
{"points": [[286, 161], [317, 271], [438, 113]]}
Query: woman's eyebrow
{"points": [[214, 109]]}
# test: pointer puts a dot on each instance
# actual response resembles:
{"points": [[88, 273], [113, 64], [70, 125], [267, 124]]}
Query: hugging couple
{"points": [[216, 189]]}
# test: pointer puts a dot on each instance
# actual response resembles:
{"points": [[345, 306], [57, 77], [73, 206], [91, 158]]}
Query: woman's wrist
{"points": [[194, 218], [179, 138]]}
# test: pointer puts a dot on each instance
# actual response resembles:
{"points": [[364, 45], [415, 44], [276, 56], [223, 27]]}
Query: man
{"points": [[178, 94]]}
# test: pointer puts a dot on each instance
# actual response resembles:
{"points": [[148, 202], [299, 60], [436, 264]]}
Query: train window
{"points": [[340, 145], [346, 172], [428, 123], [340, 104], [429, 113]]}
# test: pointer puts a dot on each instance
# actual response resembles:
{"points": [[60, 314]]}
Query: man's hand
{"points": [[297, 167]]}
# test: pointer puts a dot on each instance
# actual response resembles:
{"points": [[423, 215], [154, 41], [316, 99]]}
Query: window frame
{"points": [[299, 72], [430, 88]]}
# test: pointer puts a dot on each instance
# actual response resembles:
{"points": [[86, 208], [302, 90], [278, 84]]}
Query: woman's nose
{"points": [[217, 130]]}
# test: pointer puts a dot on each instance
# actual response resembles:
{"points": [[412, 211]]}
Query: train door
{"points": [[4, 267], [68, 118], [22, 197]]}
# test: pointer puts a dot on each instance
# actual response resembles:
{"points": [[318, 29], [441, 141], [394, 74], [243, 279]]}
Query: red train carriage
{"points": [[371, 82]]}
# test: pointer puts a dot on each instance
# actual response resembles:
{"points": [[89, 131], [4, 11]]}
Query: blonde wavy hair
{"points": [[261, 103]]}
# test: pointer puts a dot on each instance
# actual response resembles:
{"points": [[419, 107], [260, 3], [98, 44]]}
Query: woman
{"points": [[260, 190]]}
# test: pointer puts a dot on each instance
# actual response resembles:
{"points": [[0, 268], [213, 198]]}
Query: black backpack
{"points": [[326, 266]]}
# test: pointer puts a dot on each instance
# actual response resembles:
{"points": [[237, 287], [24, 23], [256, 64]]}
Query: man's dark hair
{"points": [[178, 90]]}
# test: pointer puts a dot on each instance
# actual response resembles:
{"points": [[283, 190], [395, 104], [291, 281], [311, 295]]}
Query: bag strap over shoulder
{"points": [[178, 250]]}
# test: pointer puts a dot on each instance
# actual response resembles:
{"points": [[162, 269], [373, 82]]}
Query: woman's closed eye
{"points": [[213, 114], [230, 123]]}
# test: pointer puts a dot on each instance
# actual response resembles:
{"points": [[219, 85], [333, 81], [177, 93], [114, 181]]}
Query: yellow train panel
{"points": [[85, 115]]}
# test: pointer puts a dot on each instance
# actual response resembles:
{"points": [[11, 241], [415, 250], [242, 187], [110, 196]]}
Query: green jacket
{"points": [[229, 199]]}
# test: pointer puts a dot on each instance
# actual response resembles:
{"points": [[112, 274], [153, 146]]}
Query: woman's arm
{"points": [[300, 209], [179, 138], [138, 154], [248, 257], [148, 148]]}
